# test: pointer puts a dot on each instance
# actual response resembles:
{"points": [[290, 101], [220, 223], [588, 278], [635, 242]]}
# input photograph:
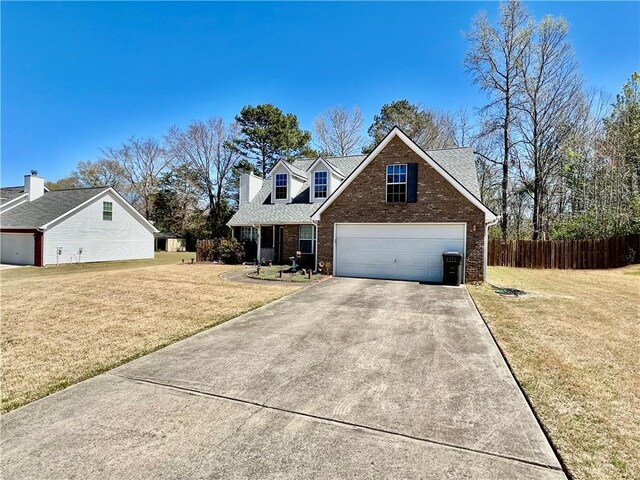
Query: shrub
{"points": [[230, 250]]}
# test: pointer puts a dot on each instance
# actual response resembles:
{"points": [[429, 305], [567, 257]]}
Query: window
{"points": [[281, 186], [107, 211], [307, 238], [320, 181], [396, 183], [248, 234]]}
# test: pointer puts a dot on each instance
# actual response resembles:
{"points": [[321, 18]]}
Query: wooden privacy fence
{"points": [[610, 252]]}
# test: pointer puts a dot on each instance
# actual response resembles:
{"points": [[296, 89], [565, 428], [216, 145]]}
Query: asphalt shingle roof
{"points": [[9, 193], [461, 165], [48, 207], [458, 162]]}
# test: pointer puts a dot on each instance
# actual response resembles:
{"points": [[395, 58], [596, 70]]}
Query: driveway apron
{"points": [[348, 378]]}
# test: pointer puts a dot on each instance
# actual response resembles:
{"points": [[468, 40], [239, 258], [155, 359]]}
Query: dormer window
{"points": [[281, 186], [320, 184]]}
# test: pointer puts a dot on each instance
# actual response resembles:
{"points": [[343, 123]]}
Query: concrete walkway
{"points": [[346, 379]]}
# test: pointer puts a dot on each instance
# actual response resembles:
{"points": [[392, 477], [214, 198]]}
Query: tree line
{"points": [[554, 158]]}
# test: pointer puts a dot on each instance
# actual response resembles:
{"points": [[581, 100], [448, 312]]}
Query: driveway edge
{"points": [[554, 447]]}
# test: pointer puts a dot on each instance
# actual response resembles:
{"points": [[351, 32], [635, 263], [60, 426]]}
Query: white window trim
{"points": [[104, 210], [288, 186], [405, 183], [312, 239], [252, 237], [313, 186]]}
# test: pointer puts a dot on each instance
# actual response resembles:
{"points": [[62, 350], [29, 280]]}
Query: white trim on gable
{"points": [[8, 205], [134, 213], [326, 164], [289, 169], [396, 132]]}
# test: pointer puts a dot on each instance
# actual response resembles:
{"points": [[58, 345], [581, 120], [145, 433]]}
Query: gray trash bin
{"points": [[451, 268]]}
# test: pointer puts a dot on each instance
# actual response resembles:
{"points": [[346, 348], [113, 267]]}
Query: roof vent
{"points": [[34, 172]]}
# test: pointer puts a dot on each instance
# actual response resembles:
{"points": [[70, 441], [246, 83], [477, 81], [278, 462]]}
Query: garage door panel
{"points": [[409, 252], [17, 248], [373, 230]]}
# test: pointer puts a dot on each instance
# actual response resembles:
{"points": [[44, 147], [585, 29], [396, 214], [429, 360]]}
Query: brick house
{"points": [[390, 214]]}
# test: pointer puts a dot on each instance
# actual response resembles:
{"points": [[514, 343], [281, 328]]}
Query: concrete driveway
{"points": [[349, 378]]}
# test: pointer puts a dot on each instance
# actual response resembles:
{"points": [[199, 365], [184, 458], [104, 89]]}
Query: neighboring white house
{"points": [[48, 227]]}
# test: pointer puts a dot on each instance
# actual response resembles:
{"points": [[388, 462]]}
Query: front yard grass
{"points": [[573, 341], [273, 273], [61, 325]]}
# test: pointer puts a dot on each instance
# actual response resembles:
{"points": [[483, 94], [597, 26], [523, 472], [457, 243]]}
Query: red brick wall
{"points": [[290, 241], [364, 200]]}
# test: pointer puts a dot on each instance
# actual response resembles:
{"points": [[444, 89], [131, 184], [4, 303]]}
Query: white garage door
{"points": [[395, 251], [17, 248]]}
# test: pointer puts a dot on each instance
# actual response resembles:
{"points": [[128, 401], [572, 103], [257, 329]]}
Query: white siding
{"points": [[296, 186], [17, 248], [123, 238]]}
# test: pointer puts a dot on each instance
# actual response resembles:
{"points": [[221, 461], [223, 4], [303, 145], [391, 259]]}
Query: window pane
{"points": [[306, 232], [306, 246], [248, 233], [281, 180], [107, 211]]}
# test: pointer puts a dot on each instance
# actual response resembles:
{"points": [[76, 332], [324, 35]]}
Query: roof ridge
{"points": [[445, 148], [78, 188], [348, 156]]}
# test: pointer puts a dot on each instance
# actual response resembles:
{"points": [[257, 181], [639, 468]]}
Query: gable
{"points": [[396, 147], [109, 195]]}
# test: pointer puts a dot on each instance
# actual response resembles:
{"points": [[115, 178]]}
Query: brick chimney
{"points": [[33, 185]]}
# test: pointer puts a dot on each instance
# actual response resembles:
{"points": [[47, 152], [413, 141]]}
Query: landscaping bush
{"points": [[230, 250], [226, 250]]}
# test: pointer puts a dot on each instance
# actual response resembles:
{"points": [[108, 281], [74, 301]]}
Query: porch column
{"points": [[259, 244]]}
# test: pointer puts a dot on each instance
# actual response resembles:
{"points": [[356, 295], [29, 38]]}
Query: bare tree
{"points": [[339, 132], [494, 58], [142, 161], [102, 173], [205, 148], [550, 91]]}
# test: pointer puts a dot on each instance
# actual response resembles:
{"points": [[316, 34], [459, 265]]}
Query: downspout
{"points": [[486, 245], [315, 231]]}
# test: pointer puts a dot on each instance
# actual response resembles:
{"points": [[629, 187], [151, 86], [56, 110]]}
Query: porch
{"points": [[278, 243]]}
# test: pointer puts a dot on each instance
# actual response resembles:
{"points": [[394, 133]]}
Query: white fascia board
{"points": [[326, 164], [285, 164], [6, 206], [396, 132], [137, 215]]}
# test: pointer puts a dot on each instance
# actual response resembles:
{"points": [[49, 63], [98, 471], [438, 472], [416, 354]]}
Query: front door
{"points": [[278, 245]]}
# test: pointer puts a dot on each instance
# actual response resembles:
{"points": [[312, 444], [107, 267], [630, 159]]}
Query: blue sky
{"points": [[79, 76]]}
